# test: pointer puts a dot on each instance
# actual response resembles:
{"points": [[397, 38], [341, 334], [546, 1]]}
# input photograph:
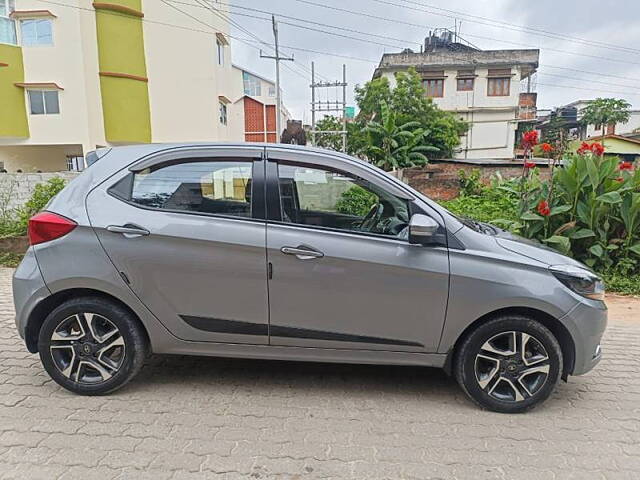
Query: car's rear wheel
{"points": [[92, 346], [509, 364]]}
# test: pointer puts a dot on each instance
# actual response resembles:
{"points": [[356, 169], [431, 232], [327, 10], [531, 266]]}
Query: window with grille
{"points": [[499, 87], [434, 87]]}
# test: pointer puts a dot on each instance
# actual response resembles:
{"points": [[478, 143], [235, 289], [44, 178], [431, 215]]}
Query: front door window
{"points": [[324, 198]]}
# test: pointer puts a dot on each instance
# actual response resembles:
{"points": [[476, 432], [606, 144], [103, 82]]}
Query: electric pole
{"points": [[277, 58], [337, 106]]}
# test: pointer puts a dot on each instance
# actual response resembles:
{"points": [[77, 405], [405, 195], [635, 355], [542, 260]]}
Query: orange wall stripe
{"points": [[117, 8], [124, 75]]}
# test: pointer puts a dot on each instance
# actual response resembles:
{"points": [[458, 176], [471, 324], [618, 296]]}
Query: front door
{"points": [[189, 239], [343, 273]]}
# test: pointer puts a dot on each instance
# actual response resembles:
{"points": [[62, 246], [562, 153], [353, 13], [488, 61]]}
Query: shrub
{"points": [[41, 196], [13, 222], [484, 203], [589, 209], [356, 201]]}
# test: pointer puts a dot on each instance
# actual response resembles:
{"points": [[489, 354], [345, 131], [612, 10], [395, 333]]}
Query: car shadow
{"points": [[273, 375]]}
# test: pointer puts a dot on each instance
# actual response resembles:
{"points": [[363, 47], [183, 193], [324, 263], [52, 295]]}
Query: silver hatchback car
{"points": [[280, 252]]}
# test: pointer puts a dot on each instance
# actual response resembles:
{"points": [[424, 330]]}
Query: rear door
{"points": [[343, 273], [186, 230]]}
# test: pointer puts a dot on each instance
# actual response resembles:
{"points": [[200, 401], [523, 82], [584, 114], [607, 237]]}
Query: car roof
{"points": [[148, 148]]}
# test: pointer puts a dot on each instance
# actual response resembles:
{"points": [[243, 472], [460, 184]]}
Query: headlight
{"points": [[580, 280]]}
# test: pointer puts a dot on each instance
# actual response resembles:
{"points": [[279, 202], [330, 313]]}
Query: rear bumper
{"points": [[29, 290], [586, 323]]}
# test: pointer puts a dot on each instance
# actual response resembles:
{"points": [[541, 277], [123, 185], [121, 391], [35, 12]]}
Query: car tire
{"points": [[92, 346], [510, 364]]}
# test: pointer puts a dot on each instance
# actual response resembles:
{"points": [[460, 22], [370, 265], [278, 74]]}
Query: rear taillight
{"points": [[47, 226]]}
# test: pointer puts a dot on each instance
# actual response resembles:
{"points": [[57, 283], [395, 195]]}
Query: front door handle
{"points": [[302, 252], [128, 230]]}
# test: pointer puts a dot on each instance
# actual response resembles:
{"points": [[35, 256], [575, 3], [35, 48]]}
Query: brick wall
{"points": [[439, 181], [16, 188], [254, 119]]}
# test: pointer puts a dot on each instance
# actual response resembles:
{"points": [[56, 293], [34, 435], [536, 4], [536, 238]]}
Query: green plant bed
{"points": [[488, 208], [601, 229], [10, 259], [622, 284]]}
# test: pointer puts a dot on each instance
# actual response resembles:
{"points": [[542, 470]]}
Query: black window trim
{"points": [[258, 207]]}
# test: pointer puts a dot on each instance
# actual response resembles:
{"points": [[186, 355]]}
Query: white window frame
{"points": [[221, 51], [44, 103], [223, 113], [75, 163], [254, 82], [9, 6], [37, 43]]}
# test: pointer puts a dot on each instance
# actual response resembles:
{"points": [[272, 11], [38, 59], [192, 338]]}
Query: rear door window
{"points": [[208, 187]]}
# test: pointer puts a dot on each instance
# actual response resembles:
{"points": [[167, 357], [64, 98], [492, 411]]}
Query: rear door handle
{"points": [[302, 252], [128, 230]]}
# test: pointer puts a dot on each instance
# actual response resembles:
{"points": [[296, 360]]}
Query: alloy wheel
{"points": [[512, 366], [87, 348]]}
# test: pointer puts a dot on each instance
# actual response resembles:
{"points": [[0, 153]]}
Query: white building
{"points": [[87, 75], [589, 131], [254, 107], [482, 86]]}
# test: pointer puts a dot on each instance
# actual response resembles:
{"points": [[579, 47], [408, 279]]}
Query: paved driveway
{"points": [[198, 417]]}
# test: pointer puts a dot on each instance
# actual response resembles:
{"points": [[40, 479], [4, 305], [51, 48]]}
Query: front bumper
{"points": [[586, 323]]}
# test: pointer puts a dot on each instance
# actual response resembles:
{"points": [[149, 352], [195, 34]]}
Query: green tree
{"points": [[370, 96], [557, 134], [328, 140], [409, 102], [606, 111], [392, 146]]}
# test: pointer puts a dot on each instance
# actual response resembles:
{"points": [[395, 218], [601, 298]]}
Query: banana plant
{"points": [[392, 146]]}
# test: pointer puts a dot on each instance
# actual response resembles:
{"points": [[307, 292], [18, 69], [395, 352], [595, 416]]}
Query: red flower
{"points": [[529, 139], [625, 166], [547, 147], [543, 208], [597, 149], [584, 148], [529, 164]]}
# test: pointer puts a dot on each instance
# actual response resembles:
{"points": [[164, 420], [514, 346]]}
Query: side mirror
{"points": [[422, 229]]}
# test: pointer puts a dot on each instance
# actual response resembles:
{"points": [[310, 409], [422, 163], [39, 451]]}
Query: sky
{"points": [[588, 48]]}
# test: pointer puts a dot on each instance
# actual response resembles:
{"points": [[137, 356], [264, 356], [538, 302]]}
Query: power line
{"points": [[516, 27], [589, 89], [221, 15], [387, 37], [319, 30], [377, 17], [589, 80], [382, 36], [166, 2], [146, 20], [599, 74]]}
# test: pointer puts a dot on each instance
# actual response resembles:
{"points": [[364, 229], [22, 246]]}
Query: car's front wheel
{"points": [[92, 346], [509, 364]]}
